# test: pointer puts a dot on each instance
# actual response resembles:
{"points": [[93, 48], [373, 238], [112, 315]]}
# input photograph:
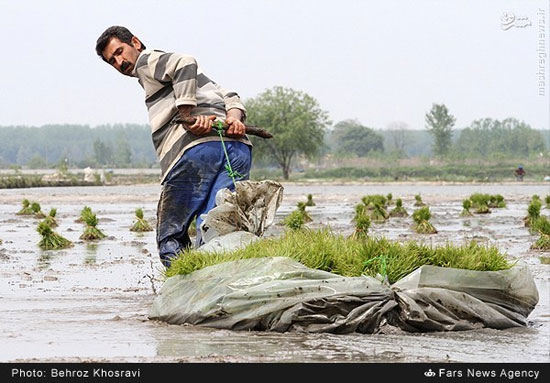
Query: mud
{"points": [[89, 303]]}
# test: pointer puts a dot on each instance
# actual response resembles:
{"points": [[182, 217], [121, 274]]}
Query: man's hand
{"points": [[235, 127], [202, 126]]}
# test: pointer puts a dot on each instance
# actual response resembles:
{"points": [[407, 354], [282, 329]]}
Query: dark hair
{"points": [[121, 33]]}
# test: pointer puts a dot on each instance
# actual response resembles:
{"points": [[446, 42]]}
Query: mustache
{"points": [[124, 66]]}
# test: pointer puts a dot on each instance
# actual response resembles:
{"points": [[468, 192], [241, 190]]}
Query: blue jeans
{"points": [[190, 188]]}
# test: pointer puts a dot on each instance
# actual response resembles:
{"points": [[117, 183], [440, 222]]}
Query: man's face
{"points": [[122, 56]]}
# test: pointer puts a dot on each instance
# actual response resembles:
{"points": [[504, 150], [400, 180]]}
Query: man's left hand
{"points": [[235, 127]]}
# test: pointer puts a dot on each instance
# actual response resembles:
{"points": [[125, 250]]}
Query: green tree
{"points": [[439, 123], [297, 122], [37, 162], [103, 153], [350, 137], [123, 153]]}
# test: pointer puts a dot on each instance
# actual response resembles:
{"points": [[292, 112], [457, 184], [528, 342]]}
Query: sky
{"points": [[374, 61]]}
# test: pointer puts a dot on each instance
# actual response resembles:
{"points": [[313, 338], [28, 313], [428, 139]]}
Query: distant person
{"points": [[519, 173], [191, 157]]}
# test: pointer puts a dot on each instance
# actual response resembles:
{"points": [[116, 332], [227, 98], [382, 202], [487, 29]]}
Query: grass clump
{"points": [[466, 206], [542, 226], [352, 257], [362, 222], [37, 210], [533, 212], [26, 209], [86, 210], [302, 207], [389, 198], [141, 224], [91, 232], [295, 220], [309, 201], [421, 219], [547, 200], [375, 206], [50, 239], [480, 202], [399, 210], [418, 200], [50, 218]]}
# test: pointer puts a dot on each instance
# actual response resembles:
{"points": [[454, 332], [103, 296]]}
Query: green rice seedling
{"points": [[141, 224], [362, 224], [418, 200], [547, 200], [302, 207], [533, 212], [535, 197], [86, 210], [374, 199], [466, 205], [399, 210], [37, 210], [295, 220], [389, 198], [309, 201], [352, 256], [421, 218], [542, 226], [50, 239], [50, 218], [497, 201], [480, 202], [192, 231], [26, 209], [379, 213], [91, 232]]}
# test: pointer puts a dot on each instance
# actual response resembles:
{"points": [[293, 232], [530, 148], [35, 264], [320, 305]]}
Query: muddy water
{"points": [[89, 303]]}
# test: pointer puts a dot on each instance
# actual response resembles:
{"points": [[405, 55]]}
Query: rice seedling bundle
{"points": [[533, 212], [399, 210], [466, 205], [50, 239], [302, 207], [542, 226], [91, 232], [421, 218], [26, 209], [86, 210], [141, 224], [37, 210], [50, 218], [295, 220], [309, 201], [418, 200]]}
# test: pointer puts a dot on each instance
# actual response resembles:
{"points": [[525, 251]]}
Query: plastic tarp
{"points": [[280, 294]]}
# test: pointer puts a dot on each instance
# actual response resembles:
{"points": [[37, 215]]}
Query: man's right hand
{"points": [[202, 126]]}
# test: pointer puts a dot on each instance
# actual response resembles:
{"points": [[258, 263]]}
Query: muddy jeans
{"points": [[189, 190]]}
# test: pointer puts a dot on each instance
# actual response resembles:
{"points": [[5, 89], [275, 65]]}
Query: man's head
{"points": [[120, 48]]}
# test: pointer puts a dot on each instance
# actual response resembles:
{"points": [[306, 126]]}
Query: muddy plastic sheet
{"points": [[251, 208], [438, 299], [280, 294], [277, 294]]}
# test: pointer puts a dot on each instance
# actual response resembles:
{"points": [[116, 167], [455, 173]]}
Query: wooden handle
{"points": [[252, 130]]}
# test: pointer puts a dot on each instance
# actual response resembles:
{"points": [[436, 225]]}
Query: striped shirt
{"points": [[171, 80]]}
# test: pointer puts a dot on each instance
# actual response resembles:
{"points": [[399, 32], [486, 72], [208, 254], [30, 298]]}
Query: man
{"points": [[519, 172], [191, 156]]}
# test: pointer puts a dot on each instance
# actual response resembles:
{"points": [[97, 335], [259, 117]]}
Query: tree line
{"points": [[301, 129]]}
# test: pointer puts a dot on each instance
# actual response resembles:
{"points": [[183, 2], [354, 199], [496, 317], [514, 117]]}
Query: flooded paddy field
{"points": [[90, 302]]}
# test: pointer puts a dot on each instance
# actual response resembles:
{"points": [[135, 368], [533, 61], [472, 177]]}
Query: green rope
{"points": [[382, 258], [218, 125]]}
